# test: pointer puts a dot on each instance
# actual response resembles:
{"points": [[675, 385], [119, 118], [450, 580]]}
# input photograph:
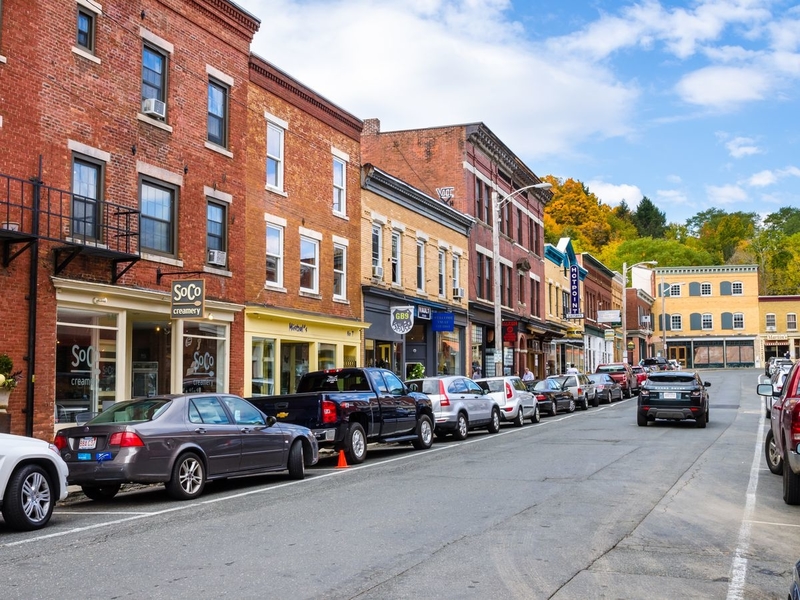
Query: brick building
{"points": [[599, 334], [777, 317], [465, 165], [122, 164]]}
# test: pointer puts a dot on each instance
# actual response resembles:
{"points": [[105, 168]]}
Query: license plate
{"points": [[669, 395], [87, 443]]}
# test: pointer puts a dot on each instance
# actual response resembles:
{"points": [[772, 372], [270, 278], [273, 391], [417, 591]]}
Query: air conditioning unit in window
{"points": [[217, 257], [153, 107], [377, 272], [458, 293], [770, 327]]}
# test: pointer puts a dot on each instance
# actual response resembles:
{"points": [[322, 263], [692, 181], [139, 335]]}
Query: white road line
{"points": [[775, 524], [738, 571]]}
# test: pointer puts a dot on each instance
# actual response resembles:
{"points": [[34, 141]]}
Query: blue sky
{"points": [[692, 104]]}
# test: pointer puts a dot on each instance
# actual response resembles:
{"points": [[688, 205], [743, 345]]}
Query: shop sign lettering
{"points": [[402, 319], [188, 299], [298, 327]]}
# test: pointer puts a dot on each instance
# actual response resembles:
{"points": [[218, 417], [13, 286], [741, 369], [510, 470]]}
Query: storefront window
{"points": [[326, 358], [263, 367], [448, 348], [294, 364], [203, 357], [151, 352], [477, 355], [86, 351]]}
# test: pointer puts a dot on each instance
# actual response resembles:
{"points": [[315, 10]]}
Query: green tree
{"points": [[649, 221]]}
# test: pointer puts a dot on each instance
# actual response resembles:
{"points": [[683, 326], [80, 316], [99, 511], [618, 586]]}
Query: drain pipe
{"points": [[33, 303]]}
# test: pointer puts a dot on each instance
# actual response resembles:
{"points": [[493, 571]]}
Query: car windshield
{"points": [[559, 380], [135, 411], [491, 385], [610, 368], [598, 377], [672, 377], [543, 386], [426, 386]]}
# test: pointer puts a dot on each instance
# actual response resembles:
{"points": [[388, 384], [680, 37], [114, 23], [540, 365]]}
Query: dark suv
{"points": [[674, 395], [622, 373]]}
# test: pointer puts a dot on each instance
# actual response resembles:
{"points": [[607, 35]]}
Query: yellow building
{"points": [[708, 316], [778, 325]]}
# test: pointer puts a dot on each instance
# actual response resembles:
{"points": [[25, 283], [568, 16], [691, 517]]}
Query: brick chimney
{"points": [[371, 127]]}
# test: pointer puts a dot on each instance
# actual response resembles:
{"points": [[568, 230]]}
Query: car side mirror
{"points": [[765, 389], [271, 421]]}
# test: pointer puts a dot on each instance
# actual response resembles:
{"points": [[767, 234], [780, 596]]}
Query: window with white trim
{"points": [[791, 320], [157, 202], [442, 272], [737, 288], [396, 258], [217, 130], [275, 140], [738, 320], [339, 186], [377, 246], [705, 289], [456, 270], [420, 265], [707, 321], [87, 189], [309, 265], [86, 29], [675, 322], [154, 74], [339, 271], [216, 233], [274, 255], [770, 323], [675, 290]]}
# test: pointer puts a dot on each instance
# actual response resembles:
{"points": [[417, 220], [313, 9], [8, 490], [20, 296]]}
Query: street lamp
{"points": [[498, 316], [625, 269]]}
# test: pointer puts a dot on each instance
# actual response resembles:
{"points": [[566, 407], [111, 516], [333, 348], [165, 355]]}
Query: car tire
{"points": [[791, 485], [553, 408], [462, 427], [700, 422], [494, 424], [424, 439], [100, 493], [595, 400], [296, 463], [29, 499], [520, 420], [627, 393], [355, 444], [774, 459], [188, 477], [537, 416], [571, 405], [641, 419], [585, 403]]}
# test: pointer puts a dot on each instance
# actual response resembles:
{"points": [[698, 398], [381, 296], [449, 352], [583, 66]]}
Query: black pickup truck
{"points": [[348, 408]]}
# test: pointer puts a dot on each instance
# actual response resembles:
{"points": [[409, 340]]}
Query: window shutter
{"points": [[727, 320], [695, 321], [694, 288], [725, 288]]}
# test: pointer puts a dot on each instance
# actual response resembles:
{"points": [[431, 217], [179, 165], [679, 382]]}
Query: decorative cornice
{"points": [[705, 270], [231, 14]]}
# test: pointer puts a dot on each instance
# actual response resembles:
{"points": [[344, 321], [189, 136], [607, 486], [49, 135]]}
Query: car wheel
{"points": [[462, 427], [100, 493], [424, 433], [571, 405], [494, 424], [554, 408], [537, 416], [585, 403], [700, 422], [28, 502], [297, 464], [774, 459], [641, 419], [188, 477], [791, 485], [627, 393], [595, 400], [355, 444], [520, 420]]}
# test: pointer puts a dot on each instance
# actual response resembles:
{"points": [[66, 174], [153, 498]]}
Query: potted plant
{"points": [[8, 379], [417, 371]]}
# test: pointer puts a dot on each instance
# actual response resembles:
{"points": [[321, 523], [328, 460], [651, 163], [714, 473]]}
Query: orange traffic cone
{"points": [[342, 460]]}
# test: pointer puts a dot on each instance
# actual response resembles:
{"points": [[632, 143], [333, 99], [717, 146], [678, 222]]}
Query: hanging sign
{"points": [[402, 319], [574, 294], [443, 321], [424, 312], [188, 299], [510, 330]]}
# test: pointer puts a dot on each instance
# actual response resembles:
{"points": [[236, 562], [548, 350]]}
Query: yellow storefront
{"points": [[283, 345]]}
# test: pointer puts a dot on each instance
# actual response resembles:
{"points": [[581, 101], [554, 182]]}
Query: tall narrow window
{"points": [[396, 258], [275, 136], [157, 204], [488, 275], [154, 77], [420, 265], [770, 321], [275, 255], [339, 271], [479, 210], [519, 226], [791, 321], [520, 288], [456, 270], [339, 189], [442, 272], [480, 279], [85, 39], [216, 234], [86, 189], [309, 265], [217, 113], [377, 251]]}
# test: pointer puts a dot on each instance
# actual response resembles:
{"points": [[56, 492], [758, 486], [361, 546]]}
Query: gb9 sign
{"points": [[402, 319]]}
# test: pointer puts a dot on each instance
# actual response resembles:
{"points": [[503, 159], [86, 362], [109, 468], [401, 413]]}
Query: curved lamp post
{"points": [[498, 316], [625, 269]]}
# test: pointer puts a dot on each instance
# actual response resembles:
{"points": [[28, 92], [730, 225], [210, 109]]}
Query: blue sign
{"points": [[574, 291], [443, 321]]}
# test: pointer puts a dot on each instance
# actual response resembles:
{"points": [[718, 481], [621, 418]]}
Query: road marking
{"points": [[775, 524], [738, 571]]}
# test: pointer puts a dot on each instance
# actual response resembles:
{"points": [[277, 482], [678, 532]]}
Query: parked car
{"points": [[621, 373], [459, 404], [516, 403], [768, 365], [794, 589], [183, 441], [346, 409], [777, 380], [550, 396], [655, 363], [673, 395], [607, 390], [581, 388], [641, 373], [780, 363], [676, 366], [33, 477]]}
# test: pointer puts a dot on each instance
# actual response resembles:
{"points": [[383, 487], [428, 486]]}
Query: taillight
{"points": [[509, 391], [328, 411], [125, 439], [794, 430], [580, 391], [445, 401], [541, 397], [60, 441]]}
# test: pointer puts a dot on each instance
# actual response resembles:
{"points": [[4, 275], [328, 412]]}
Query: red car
{"points": [[621, 373], [783, 438], [640, 372]]}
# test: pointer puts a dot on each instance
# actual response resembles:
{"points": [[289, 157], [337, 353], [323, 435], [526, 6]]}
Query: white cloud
{"points": [[674, 178], [762, 179], [723, 87], [613, 194], [742, 146], [669, 197], [726, 194]]}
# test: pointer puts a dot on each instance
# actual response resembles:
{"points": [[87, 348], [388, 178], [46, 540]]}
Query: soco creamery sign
{"points": [[188, 299]]}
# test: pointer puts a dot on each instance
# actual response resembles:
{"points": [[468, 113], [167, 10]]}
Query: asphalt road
{"points": [[586, 505]]}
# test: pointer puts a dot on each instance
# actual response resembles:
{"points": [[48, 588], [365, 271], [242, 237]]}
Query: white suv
{"points": [[515, 401]]}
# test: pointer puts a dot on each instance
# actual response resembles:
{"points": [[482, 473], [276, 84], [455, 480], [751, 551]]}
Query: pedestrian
{"points": [[476, 370], [787, 355], [527, 375], [572, 369]]}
